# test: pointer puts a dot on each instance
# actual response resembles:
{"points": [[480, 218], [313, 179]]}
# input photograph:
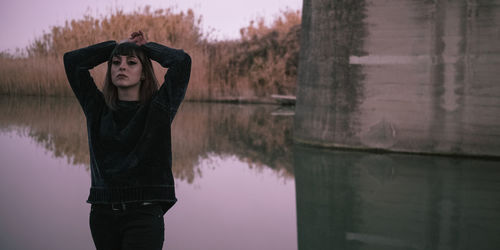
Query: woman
{"points": [[128, 127]]}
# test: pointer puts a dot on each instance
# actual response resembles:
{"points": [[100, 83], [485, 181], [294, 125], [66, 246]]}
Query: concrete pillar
{"points": [[400, 75]]}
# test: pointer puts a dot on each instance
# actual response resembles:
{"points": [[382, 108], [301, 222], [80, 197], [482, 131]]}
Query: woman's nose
{"points": [[123, 65]]}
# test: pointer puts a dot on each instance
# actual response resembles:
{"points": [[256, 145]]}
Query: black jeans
{"points": [[141, 227]]}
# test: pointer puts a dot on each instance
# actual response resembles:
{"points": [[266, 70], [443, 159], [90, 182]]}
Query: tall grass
{"points": [[262, 62]]}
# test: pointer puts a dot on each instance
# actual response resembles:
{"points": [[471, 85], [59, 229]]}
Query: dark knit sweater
{"points": [[130, 147]]}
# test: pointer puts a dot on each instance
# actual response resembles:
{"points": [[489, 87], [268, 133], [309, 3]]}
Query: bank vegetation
{"points": [[262, 62]]}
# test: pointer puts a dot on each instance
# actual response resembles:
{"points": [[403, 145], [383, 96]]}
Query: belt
{"points": [[122, 206]]}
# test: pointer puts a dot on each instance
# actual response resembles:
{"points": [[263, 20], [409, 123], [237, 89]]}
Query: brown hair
{"points": [[149, 85]]}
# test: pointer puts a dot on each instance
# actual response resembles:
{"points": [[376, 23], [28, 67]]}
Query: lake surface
{"points": [[243, 184]]}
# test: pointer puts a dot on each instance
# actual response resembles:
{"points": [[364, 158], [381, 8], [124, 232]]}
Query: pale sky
{"points": [[23, 20]]}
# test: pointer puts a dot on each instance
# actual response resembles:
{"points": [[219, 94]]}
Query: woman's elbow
{"points": [[186, 60], [67, 57]]}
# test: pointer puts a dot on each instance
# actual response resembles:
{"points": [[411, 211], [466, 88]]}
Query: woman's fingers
{"points": [[137, 37], [136, 33]]}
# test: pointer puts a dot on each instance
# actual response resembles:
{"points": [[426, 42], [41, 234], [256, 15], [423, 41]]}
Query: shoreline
{"points": [[228, 100]]}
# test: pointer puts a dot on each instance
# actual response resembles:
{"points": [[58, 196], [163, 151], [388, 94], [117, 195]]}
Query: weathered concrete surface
{"points": [[400, 75], [357, 200]]}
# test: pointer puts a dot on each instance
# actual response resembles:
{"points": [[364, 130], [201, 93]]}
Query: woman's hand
{"points": [[137, 37]]}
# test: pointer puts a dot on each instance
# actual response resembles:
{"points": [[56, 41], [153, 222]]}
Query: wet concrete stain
{"points": [[400, 75]]}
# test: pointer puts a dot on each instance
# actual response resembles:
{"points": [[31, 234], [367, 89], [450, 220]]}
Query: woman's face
{"points": [[126, 71]]}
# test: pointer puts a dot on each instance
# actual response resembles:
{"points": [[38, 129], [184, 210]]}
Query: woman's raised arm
{"points": [[77, 64], [176, 79]]}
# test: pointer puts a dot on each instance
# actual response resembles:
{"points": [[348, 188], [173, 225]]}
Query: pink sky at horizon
{"points": [[25, 20]]}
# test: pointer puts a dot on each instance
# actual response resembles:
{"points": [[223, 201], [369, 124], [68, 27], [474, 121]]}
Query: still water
{"points": [[232, 165], [243, 184]]}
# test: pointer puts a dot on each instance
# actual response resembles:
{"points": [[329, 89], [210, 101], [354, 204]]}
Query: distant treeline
{"points": [[262, 62]]}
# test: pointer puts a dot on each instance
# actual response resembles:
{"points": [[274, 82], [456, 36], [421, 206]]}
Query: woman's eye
{"points": [[116, 62], [132, 62]]}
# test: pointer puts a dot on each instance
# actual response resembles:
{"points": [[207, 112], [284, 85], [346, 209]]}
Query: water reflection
{"points": [[232, 165], [356, 200], [229, 206], [233, 207], [56, 124], [235, 172], [249, 132]]}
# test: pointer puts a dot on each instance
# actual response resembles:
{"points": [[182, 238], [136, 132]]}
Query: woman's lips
{"points": [[121, 76]]}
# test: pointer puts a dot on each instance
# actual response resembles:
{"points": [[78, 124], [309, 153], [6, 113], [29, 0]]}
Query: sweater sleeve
{"points": [[77, 64], [176, 79]]}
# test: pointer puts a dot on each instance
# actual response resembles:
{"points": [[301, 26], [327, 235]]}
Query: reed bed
{"points": [[262, 62]]}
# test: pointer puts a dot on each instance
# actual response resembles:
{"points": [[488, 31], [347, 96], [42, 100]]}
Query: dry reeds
{"points": [[41, 76], [261, 63]]}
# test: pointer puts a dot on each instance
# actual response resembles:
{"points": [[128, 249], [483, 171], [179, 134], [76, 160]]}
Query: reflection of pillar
{"points": [[327, 203], [355, 200], [445, 208]]}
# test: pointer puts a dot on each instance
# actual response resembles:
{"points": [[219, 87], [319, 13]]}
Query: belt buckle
{"points": [[118, 206]]}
